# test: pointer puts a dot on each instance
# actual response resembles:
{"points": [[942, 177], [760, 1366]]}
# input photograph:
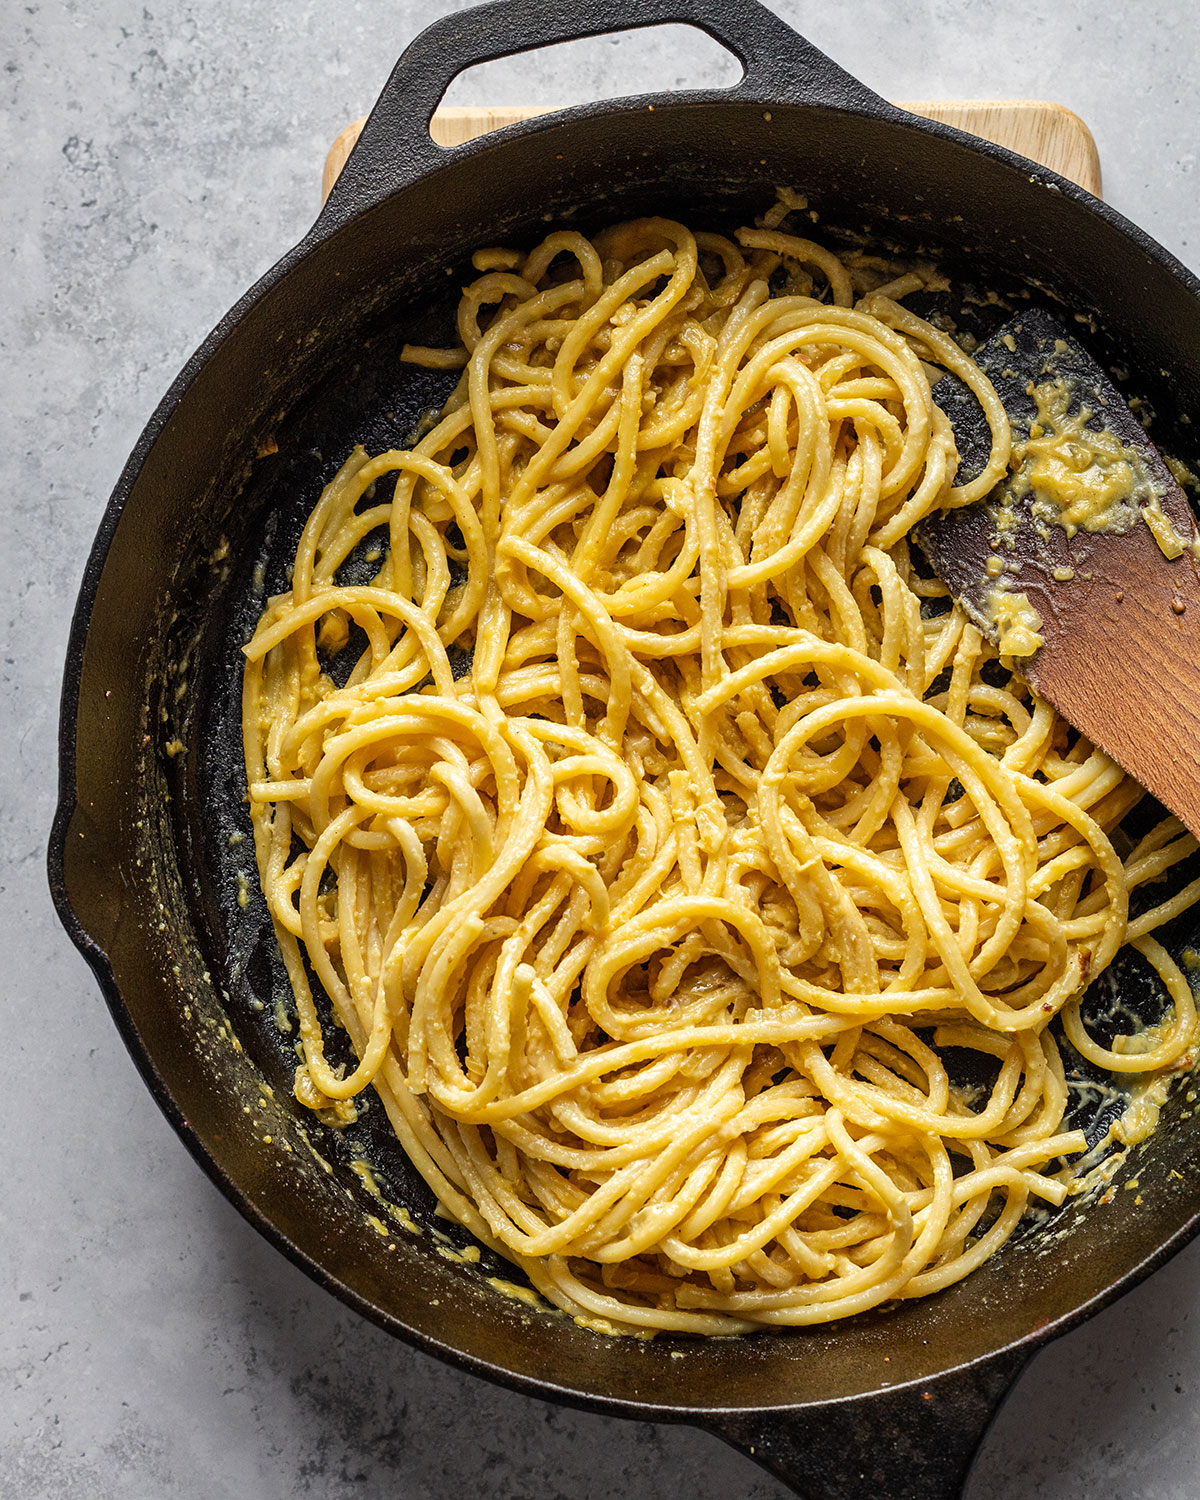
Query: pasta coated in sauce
{"points": [[652, 926]]}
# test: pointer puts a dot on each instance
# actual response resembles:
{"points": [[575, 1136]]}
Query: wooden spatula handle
{"points": [[1132, 680]]}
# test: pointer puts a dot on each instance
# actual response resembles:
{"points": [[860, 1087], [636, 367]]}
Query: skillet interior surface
{"points": [[156, 856]]}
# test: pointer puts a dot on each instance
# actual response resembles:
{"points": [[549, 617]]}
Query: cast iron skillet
{"points": [[149, 859]]}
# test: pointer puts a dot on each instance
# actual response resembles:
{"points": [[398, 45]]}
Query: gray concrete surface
{"points": [[154, 158]]}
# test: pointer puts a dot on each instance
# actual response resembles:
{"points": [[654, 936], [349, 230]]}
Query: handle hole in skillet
{"points": [[650, 60]]}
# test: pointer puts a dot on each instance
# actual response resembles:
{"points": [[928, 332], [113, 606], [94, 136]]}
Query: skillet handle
{"points": [[917, 1443], [395, 145]]}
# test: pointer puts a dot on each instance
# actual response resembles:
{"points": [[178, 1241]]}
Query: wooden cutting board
{"points": [[1047, 133]]}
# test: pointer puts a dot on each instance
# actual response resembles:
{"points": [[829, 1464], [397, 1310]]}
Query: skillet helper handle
{"points": [[395, 145], [917, 1443]]}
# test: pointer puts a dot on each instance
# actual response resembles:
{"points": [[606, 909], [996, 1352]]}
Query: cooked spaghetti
{"points": [[670, 826]]}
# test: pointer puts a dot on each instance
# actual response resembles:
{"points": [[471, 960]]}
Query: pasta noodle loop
{"points": [[672, 840]]}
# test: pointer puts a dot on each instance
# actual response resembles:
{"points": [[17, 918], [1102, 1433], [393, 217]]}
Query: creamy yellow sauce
{"points": [[1086, 480], [1018, 623], [396, 1211], [467, 1256], [1141, 1115], [516, 1292], [1080, 479]]}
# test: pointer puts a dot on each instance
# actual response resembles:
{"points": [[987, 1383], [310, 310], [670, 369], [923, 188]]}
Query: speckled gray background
{"points": [[155, 159]]}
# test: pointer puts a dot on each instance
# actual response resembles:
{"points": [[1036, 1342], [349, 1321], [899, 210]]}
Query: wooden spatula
{"points": [[1119, 619]]}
